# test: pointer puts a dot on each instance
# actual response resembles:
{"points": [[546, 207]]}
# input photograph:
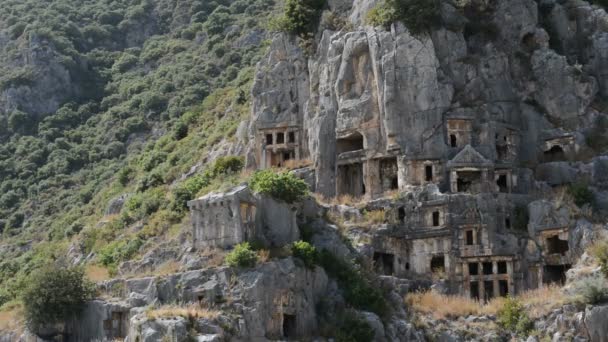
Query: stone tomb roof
{"points": [[469, 157]]}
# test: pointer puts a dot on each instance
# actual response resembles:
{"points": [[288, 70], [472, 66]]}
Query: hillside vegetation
{"points": [[103, 98]]}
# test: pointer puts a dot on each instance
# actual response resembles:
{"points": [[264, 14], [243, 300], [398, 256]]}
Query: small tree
{"points": [[242, 256], [305, 252], [283, 186], [54, 295], [512, 317], [581, 194]]}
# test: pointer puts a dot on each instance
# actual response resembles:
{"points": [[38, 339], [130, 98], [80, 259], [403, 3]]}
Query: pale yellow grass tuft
{"points": [[538, 303], [541, 301], [374, 216], [169, 267], [263, 255], [96, 273], [11, 318], [443, 306], [215, 256], [191, 311], [293, 164]]}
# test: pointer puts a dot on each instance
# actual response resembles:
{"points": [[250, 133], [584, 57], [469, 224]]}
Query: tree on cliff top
{"points": [[54, 295]]}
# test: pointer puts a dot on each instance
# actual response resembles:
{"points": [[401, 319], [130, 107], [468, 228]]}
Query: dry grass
{"points": [[11, 318], [541, 301], [447, 307], [263, 255], [297, 164], [168, 267], [374, 216], [97, 273], [191, 311], [348, 200], [538, 303], [215, 256]]}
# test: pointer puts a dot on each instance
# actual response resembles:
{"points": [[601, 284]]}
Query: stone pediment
{"points": [[469, 157]]}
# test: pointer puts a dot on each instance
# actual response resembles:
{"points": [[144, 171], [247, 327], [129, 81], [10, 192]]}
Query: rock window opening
{"points": [[503, 288], [291, 137], [280, 138], [350, 180], [407, 266], [473, 268], [502, 267], [487, 268], [401, 214], [508, 223], [351, 143], [435, 219], [502, 183], [438, 264], [468, 180], [453, 140], [556, 153], [556, 246], [474, 289], [268, 139], [428, 173], [384, 263], [555, 274], [388, 174], [488, 289], [470, 241], [286, 156], [289, 326]]}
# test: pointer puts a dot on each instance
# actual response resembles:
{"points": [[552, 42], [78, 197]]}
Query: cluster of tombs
{"points": [[463, 231]]}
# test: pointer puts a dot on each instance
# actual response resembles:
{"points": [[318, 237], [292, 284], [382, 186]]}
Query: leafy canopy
{"points": [[283, 186], [55, 294]]}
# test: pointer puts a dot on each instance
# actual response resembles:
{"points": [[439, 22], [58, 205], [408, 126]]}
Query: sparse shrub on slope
{"points": [[55, 294], [305, 252], [513, 317], [284, 186], [242, 256], [581, 194], [417, 15], [353, 329], [592, 290], [299, 16], [358, 289], [600, 252]]}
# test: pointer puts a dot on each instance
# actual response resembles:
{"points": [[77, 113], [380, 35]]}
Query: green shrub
{"points": [[381, 15], [118, 251], [581, 194], [242, 256], [593, 290], [416, 15], [600, 252], [597, 137], [357, 288], [283, 186], [226, 165], [305, 252], [354, 329], [299, 16], [521, 218], [513, 318], [55, 294]]}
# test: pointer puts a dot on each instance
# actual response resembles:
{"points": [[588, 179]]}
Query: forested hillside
{"points": [[103, 98]]}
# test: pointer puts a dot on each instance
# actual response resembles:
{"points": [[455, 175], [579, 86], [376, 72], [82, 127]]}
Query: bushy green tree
{"points": [[54, 295], [305, 252], [581, 194], [242, 256], [284, 186], [417, 15], [513, 317], [299, 16]]}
